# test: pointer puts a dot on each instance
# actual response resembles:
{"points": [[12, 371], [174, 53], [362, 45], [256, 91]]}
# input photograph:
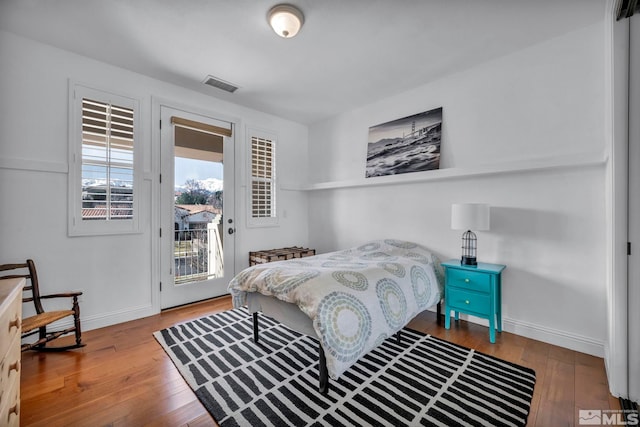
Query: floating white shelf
{"points": [[580, 160]]}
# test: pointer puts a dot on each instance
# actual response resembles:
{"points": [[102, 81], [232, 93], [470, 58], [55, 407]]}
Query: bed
{"points": [[350, 300]]}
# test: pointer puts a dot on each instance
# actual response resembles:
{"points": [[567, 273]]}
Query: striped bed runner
{"points": [[422, 381]]}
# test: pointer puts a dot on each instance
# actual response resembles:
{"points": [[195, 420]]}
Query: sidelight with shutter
{"points": [[262, 180]]}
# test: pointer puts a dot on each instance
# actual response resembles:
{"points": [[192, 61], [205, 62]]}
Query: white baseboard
{"points": [[104, 319], [115, 317], [545, 334], [614, 387], [554, 336], [529, 330]]}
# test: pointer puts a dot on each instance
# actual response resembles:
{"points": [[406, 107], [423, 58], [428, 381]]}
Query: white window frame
{"points": [[272, 220], [77, 226]]}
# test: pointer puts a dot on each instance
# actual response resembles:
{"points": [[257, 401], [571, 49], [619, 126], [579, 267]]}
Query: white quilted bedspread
{"points": [[356, 298]]}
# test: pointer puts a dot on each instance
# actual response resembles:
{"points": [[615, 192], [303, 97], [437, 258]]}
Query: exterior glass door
{"points": [[197, 198]]}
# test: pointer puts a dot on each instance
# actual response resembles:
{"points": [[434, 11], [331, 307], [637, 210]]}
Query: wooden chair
{"points": [[38, 324]]}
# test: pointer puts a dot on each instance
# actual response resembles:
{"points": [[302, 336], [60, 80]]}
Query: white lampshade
{"points": [[286, 20], [470, 216]]}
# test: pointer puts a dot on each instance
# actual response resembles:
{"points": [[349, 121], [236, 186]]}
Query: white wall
{"points": [[115, 272], [542, 105]]}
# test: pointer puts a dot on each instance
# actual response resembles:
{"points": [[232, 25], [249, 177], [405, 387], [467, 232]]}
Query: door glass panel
{"points": [[198, 214]]}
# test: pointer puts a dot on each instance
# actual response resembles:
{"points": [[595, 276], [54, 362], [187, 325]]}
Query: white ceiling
{"points": [[349, 52]]}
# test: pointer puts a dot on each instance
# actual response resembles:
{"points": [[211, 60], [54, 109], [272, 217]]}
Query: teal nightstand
{"points": [[475, 290]]}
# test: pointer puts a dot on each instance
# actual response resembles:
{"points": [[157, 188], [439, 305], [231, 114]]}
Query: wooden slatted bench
{"points": [[282, 254]]}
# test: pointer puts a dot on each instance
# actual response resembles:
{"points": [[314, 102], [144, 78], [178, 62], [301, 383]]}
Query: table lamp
{"points": [[469, 216]]}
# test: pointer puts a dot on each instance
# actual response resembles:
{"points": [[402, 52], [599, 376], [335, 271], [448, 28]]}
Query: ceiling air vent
{"points": [[220, 84]]}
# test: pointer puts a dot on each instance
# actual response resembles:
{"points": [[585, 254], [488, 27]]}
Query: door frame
{"points": [[152, 172], [633, 282]]}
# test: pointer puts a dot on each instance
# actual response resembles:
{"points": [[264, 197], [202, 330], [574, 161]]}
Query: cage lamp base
{"points": [[467, 260]]}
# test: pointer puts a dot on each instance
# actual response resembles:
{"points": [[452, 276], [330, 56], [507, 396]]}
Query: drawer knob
{"points": [[466, 301], [466, 280], [15, 323], [13, 411]]}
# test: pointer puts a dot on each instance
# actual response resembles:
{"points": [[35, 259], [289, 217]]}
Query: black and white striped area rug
{"points": [[422, 381]]}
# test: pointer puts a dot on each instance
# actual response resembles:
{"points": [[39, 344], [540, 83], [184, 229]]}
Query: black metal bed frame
{"points": [[323, 385]]}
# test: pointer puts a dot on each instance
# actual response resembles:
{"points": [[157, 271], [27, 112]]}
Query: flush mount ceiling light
{"points": [[286, 20]]}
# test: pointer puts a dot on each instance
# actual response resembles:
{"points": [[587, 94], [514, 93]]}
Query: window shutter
{"points": [[107, 161], [105, 167], [263, 185]]}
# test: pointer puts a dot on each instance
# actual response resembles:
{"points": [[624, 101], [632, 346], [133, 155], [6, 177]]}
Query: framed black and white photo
{"points": [[410, 144]]}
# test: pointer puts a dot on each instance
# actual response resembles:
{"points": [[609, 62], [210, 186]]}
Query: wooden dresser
{"points": [[10, 319]]}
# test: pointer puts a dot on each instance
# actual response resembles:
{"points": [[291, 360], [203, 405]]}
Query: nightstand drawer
{"points": [[476, 281], [460, 300]]}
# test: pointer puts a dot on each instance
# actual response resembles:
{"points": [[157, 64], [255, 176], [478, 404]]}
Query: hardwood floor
{"points": [[124, 378]]}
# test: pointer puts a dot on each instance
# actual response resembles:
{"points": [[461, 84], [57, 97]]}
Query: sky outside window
{"points": [[199, 170]]}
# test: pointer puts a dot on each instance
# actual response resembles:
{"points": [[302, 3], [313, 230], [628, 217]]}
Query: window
{"points": [[262, 204], [103, 173]]}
